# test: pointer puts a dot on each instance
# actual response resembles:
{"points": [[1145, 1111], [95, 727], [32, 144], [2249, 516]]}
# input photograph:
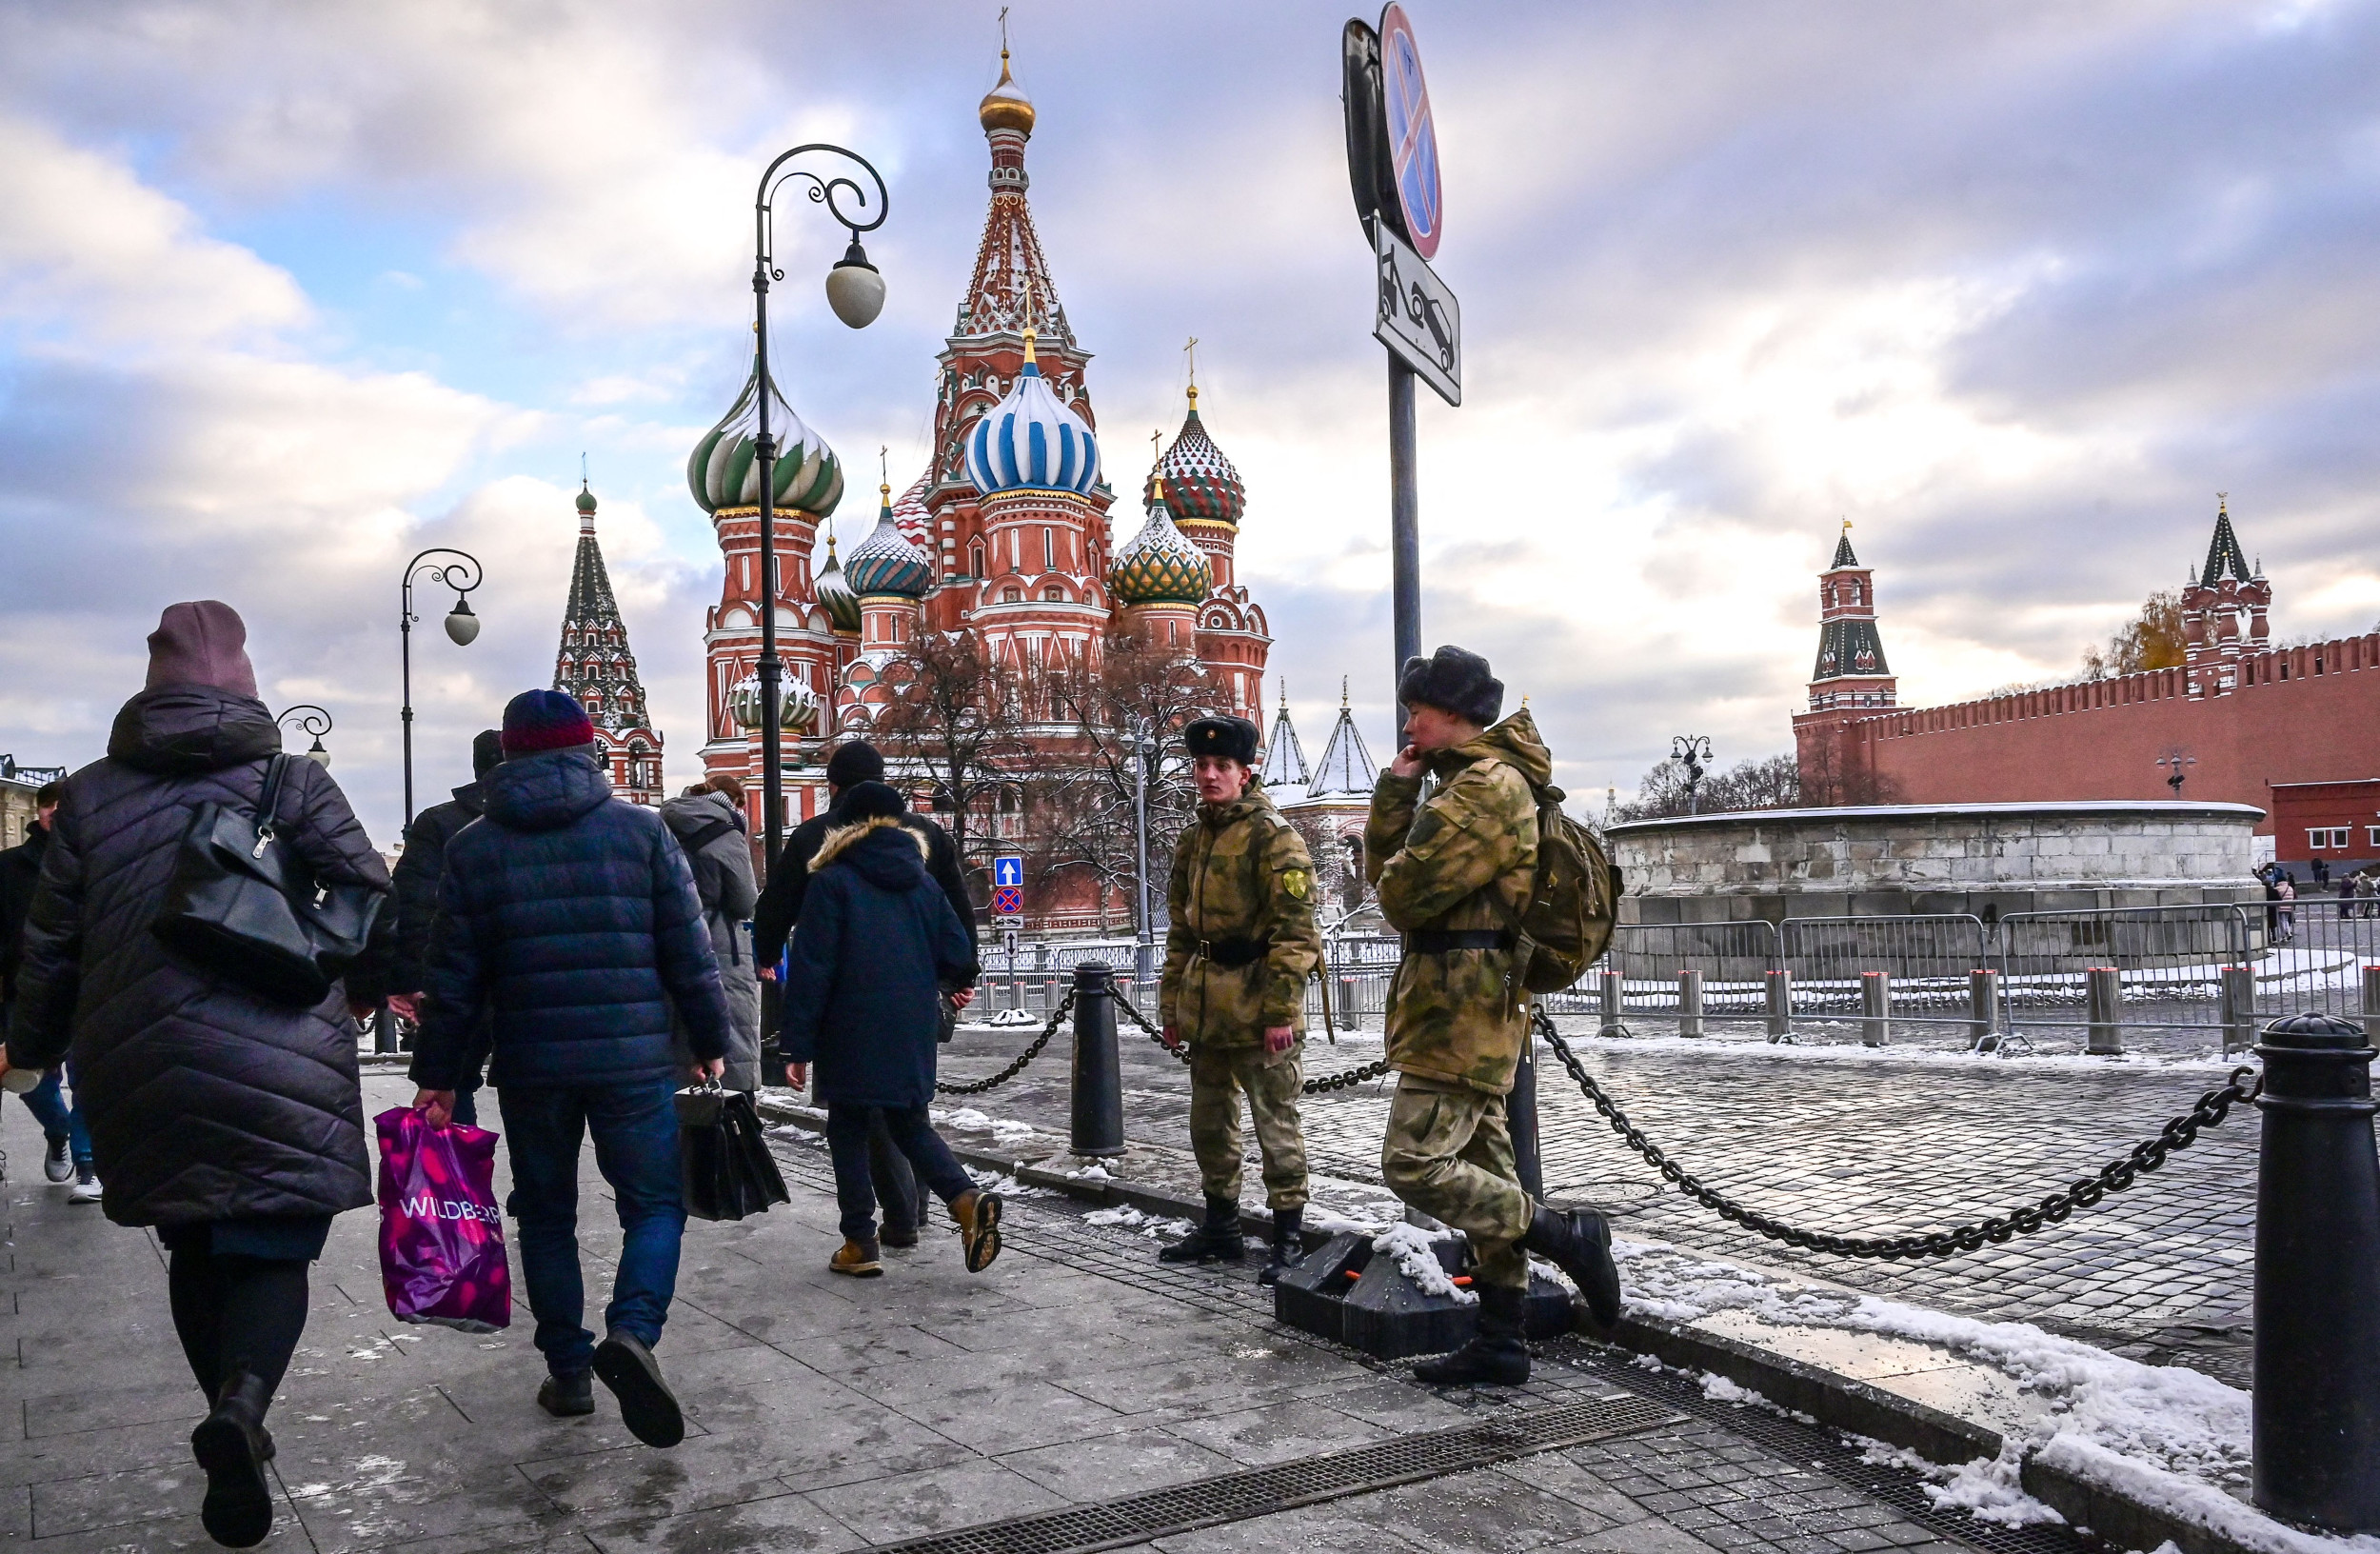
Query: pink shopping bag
{"points": [[442, 1239]]}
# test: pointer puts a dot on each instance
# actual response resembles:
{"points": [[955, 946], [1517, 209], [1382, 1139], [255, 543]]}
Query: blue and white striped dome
{"points": [[1029, 441]]}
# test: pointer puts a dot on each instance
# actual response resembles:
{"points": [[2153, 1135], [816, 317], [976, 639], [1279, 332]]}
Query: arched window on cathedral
{"points": [[975, 558]]}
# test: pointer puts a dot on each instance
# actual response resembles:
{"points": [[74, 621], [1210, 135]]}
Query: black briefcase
{"points": [[723, 1156]]}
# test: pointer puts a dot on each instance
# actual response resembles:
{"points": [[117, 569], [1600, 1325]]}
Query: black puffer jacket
{"points": [[572, 915], [416, 876], [204, 1102]]}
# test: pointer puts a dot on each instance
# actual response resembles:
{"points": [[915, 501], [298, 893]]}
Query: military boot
{"points": [[1495, 1357], [1578, 1241], [1288, 1246], [230, 1444], [1216, 1240]]}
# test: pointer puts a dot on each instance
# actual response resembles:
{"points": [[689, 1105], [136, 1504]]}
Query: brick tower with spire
{"points": [[2224, 611], [595, 665]]}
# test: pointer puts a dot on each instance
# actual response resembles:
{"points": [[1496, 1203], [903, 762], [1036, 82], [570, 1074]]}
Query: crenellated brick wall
{"points": [[2297, 715]]}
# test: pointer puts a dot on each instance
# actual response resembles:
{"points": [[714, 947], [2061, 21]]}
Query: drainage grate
{"points": [[1265, 1491]]}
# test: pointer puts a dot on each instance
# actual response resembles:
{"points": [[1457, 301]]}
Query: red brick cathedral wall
{"points": [[2298, 715]]}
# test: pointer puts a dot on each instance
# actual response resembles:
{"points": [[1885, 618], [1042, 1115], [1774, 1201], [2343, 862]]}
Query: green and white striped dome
{"points": [[721, 472]]}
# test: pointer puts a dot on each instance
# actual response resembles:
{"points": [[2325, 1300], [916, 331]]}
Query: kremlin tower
{"points": [[2224, 611], [1006, 535], [594, 665]]}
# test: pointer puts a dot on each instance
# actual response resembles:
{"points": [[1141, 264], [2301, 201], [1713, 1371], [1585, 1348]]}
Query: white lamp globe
{"points": [[855, 290]]}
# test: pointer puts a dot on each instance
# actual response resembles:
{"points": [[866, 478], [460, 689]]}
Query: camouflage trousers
{"points": [[1449, 1154], [1218, 1078]]}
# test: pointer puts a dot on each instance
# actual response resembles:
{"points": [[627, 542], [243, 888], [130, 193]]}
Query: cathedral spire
{"points": [[1346, 765], [595, 665], [2224, 557], [1284, 757]]}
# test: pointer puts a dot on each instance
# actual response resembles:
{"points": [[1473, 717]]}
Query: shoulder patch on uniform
{"points": [[1297, 882]]}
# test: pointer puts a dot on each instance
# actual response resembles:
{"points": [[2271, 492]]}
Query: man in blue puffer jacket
{"points": [[571, 917]]}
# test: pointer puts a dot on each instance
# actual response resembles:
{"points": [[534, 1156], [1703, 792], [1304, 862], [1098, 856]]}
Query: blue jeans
{"points": [[57, 1119], [911, 1132], [636, 1147]]}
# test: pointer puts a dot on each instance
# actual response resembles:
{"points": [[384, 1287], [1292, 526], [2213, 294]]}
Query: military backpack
{"points": [[1574, 901]]}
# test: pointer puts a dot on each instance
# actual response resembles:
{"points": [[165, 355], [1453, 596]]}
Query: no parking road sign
{"points": [[1008, 884]]}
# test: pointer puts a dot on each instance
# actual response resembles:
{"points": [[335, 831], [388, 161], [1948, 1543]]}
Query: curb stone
{"points": [[1835, 1400]]}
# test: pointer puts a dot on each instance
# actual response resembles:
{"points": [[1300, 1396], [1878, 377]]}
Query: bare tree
{"points": [[1830, 777], [957, 715]]}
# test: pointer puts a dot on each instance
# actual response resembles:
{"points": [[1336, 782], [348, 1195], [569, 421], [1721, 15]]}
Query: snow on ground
{"points": [[966, 1119], [1126, 1218], [1410, 1246], [2162, 1435]]}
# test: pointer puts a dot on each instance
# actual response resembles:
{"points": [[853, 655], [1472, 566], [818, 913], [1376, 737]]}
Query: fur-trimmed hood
{"points": [[889, 863]]}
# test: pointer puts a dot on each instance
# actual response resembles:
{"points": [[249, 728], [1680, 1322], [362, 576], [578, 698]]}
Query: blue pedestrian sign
{"points": [[1008, 869]]}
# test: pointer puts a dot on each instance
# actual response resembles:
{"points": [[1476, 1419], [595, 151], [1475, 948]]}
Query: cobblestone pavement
{"points": [[1847, 1142], [827, 1414]]}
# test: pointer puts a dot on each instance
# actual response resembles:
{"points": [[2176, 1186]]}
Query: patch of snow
{"points": [[1409, 1246], [1124, 1217], [1720, 1390], [968, 1120], [1093, 1172], [1986, 1488]]}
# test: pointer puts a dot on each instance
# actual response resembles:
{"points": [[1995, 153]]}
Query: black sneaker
{"points": [[567, 1396], [648, 1407], [58, 1164]]}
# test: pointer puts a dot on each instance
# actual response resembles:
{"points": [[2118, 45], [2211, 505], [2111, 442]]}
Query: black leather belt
{"points": [[1441, 941], [1231, 954]]}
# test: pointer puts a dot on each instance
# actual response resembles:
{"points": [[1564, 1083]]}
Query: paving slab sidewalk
{"points": [[830, 1414]]}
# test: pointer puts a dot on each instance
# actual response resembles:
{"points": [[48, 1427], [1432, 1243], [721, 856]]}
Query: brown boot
{"points": [[858, 1258], [978, 1216]]}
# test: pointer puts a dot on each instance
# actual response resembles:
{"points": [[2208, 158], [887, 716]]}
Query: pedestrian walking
{"points": [[231, 1123], [2365, 898], [707, 824], [1451, 872], [897, 1192], [2285, 892], [1239, 944], [876, 940], [570, 917], [66, 1153], [416, 875]]}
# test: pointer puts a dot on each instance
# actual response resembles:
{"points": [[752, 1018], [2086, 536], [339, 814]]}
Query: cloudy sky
{"points": [[290, 291]]}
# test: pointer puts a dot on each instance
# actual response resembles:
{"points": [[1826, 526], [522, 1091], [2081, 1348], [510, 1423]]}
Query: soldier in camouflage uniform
{"points": [[1240, 948], [1452, 872]]}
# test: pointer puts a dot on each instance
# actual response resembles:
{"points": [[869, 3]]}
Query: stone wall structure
{"points": [[1890, 860]]}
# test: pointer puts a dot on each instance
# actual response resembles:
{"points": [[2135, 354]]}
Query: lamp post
{"points": [[856, 292], [2177, 760], [311, 720], [1145, 945], [462, 575], [1693, 749]]}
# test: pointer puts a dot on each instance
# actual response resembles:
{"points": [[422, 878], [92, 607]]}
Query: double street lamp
{"points": [[856, 292], [462, 575], [1692, 749]]}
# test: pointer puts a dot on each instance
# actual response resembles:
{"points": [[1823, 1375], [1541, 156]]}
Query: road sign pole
{"points": [[1404, 527]]}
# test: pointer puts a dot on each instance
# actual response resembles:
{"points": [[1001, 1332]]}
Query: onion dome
{"points": [[909, 514], [885, 562], [1159, 565], [587, 500], [1029, 441], [721, 472], [1005, 106], [797, 704], [1202, 484], [834, 590]]}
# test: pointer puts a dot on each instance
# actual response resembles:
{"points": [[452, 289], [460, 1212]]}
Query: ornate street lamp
{"points": [[311, 720], [462, 575], [856, 292], [2177, 759], [1693, 749]]}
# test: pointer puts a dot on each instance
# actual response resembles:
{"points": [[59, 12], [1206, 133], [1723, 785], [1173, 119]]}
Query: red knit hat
{"points": [[544, 720]]}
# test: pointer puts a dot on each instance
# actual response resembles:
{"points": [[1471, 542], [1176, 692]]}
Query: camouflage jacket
{"points": [[1444, 863], [1241, 874]]}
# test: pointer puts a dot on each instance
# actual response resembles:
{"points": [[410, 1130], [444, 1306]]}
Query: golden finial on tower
{"points": [[2222, 504], [1028, 318], [1190, 352], [1005, 106], [1342, 693], [1157, 481]]}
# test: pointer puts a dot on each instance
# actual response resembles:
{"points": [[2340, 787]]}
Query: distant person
{"points": [[2284, 891], [1453, 864], [570, 917], [231, 1123], [1238, 949], [2321, 870], [66, 1156], [2346, 894], [2367, 895], [416, 875], [855, 761], [876, 940], [710, 826]]}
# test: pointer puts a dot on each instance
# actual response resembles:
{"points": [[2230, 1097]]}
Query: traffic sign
{"points": [[1008, 869], [1415, 315], [1412, 133], [1008, 899]]}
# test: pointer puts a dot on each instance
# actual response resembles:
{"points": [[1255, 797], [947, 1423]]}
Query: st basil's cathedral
{"points": [[1007, 535]]}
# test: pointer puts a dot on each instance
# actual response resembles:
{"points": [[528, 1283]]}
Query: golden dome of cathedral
{"points": [[1006, 106]]}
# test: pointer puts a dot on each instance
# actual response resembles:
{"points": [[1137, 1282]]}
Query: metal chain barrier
{"points": [[1057, 1018], [2114, 1177], [1346, 1079]]}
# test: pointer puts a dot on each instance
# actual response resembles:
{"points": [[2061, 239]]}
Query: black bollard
{"points": [[384, 1029], [1520, 1117], [1098, 1081], [2317, 1367]]}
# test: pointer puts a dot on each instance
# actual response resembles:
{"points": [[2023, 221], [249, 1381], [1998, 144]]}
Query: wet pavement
{"points": [[832, 1414], [1841, 1140]]}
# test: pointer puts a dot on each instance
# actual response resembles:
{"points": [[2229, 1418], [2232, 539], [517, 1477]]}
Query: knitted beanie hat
{"points": [[203, 642], [544, 720], [855, 762]]}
